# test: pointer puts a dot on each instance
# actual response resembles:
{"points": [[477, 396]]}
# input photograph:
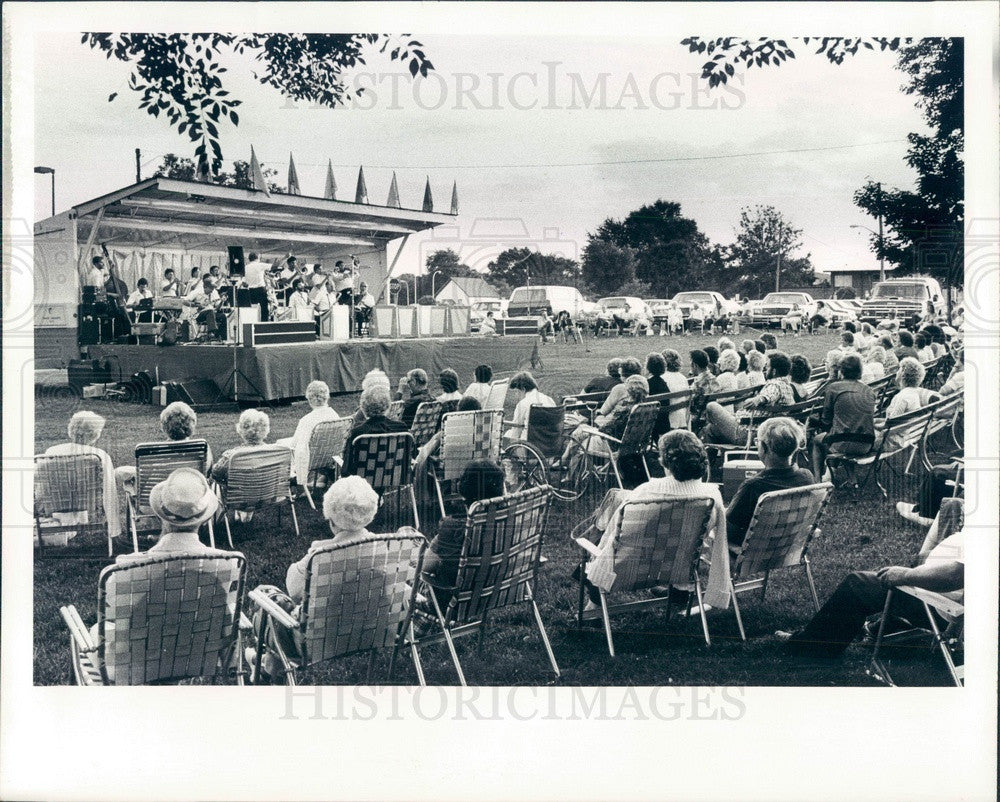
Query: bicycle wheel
{"points": [[572, 474]]}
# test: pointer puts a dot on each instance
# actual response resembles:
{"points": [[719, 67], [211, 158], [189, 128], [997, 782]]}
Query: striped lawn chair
{"points": [[358, 599], [783, 524], [497, 396], [326, 451], [466, 437], [385, 461], [69, 500], [395, 410], [258, 479], [154, 462], [163, 619], [498, 568], [659, 543], [426, 422], [946, 415], [634, 442]]}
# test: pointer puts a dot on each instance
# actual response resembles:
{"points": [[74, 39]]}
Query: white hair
{"points": [[253, 426], [317, 393], [729, 361], [375, 378], [85, 427], [350, 504], [374, 401], [911, 372]]}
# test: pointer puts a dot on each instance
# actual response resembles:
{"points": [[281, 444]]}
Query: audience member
{"points": [[412, 391], [676, 383], [656, 366], [891, 361], [480, 388], [253, 427], [778, 439], [374, 406], [630, 367], [723, 426], [770, 342], [318, 396], [754, 375], [847, 417], [800, 373], [449, 384], [905, 347], [372, 378], [84, 430], [525, 384], [603, 384]]}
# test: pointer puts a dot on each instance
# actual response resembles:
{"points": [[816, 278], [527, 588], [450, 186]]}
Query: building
{"points": [[466, 291], [858, 278], [162, 223]]}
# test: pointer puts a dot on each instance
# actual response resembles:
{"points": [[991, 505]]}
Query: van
{"points": [[530, 301]]}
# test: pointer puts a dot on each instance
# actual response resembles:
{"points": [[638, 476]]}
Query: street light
{"points": [[50, 171], [881, 257], [434, 276]]}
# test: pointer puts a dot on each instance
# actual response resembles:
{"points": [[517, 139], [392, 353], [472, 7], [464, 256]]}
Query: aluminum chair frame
{"points": [[385, 474], [278, 485], [326, 457], [465, 437], [64, 501]]}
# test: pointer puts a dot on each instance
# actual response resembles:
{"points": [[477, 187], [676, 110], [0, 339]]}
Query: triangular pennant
{"points": [[393, 194], [293, 177], [428, 198], [331, 183], [259, 183], [454, 198], [361, 195]]}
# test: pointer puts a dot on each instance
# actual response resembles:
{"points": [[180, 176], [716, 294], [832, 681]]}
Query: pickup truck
{"points": [[906, 299]]}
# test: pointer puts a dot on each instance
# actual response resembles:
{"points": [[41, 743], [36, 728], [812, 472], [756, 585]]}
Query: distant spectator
{"points": [[754, 376], [770, 342], [905, 347], [847, 341], [630, 367], [374, 405], [713, 358], [676, 383], [874, 366], [891, 361], [413, 392], [923, 345]]}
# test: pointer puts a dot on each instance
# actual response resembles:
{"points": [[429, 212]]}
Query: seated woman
{"points": [[253, 427], [318, 396], [754, 376], [891, 361], [431, 447], [482, 479], [374, 406], [656, 366], [874, 366], [372, 378], [525, 384], [676, 383], [629, 367], [84, 430], [613, 424], [703, 381], [801, 371], [178, 423], [685, 465], [449, 385], [480, 388], [793, 321], [349, 506], [729, 363]]}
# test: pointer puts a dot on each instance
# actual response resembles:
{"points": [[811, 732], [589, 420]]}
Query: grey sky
{"points": [[508, 161]]}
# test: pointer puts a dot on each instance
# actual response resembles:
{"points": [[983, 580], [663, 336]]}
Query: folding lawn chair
{"points": [[163, 619], [326, 452], [426, 422], [466, 437], [497, 396], [385, 461], [69, 500], [258, 479]]}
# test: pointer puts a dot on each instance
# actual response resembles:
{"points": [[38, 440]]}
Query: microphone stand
{"points": [[235, 374]]}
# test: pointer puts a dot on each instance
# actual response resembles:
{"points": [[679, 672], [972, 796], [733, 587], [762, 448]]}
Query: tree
{"points": [[730, 52], [606, 266], [925, 226], [670, 253], [516, 267], [449, 264], [174, 166], [179, 74], [765, 240], [634, 289]]}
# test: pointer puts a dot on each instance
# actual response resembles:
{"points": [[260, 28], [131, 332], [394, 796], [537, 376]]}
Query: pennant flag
{"points": [[259, 183], [454, 198], [393, 193], [203, 174], [361, 195], [331, 182], [428, 198], [293, 177]]}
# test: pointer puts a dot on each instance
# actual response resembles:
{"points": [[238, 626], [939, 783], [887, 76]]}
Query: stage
{"points": [[283, 371]]}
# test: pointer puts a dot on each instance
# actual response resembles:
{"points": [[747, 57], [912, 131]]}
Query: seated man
{"points": [[412, 390], [374, 404], [723, 426], [848, 416], [777, 441], [602, 384], [940, 568], [203, 302], [318, 396]]}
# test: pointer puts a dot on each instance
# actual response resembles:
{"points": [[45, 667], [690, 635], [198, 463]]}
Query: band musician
{"points": [[202, 305]]}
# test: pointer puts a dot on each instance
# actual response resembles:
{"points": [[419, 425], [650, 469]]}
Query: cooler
{"points": [[737, 467]]}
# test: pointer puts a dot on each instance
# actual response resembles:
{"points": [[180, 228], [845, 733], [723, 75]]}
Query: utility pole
{"points": [[138, 166], [777, 268], [881, 252]]}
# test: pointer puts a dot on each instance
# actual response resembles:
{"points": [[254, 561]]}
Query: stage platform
{"points": [[283, 371]]}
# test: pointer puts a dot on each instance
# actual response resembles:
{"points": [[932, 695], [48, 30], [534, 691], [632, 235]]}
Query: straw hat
{"points": [[183, 498]]}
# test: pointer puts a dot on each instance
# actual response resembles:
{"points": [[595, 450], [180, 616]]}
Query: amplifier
{"points": [[283, 333]]}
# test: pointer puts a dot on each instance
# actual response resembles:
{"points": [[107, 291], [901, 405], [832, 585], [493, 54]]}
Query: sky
{"points": [[539, 158]]}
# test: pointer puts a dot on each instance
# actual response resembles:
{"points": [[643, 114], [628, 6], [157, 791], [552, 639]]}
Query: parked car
{"points": [[714, 303], [530, 301], [478, 310], [836, 312], [624, 306], [776, 305], [907, 299]]}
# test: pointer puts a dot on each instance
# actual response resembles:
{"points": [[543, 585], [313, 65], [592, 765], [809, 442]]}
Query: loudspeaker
{"points": [[197, 393], [237, 263], [255, 334], [89, 326]]}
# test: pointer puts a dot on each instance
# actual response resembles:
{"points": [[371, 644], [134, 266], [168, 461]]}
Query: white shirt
{"points": [[478, 390], [488, 326], [366, 300], [676, 383], [136, 296], [299, 300], [342, 281], [94, 278], [169, 289], [255, 272], [872, 371], [531, 398], [300, 440], [320, 298]]}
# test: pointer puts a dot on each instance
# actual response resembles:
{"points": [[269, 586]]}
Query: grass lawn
{"points": [[860, 530]]}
